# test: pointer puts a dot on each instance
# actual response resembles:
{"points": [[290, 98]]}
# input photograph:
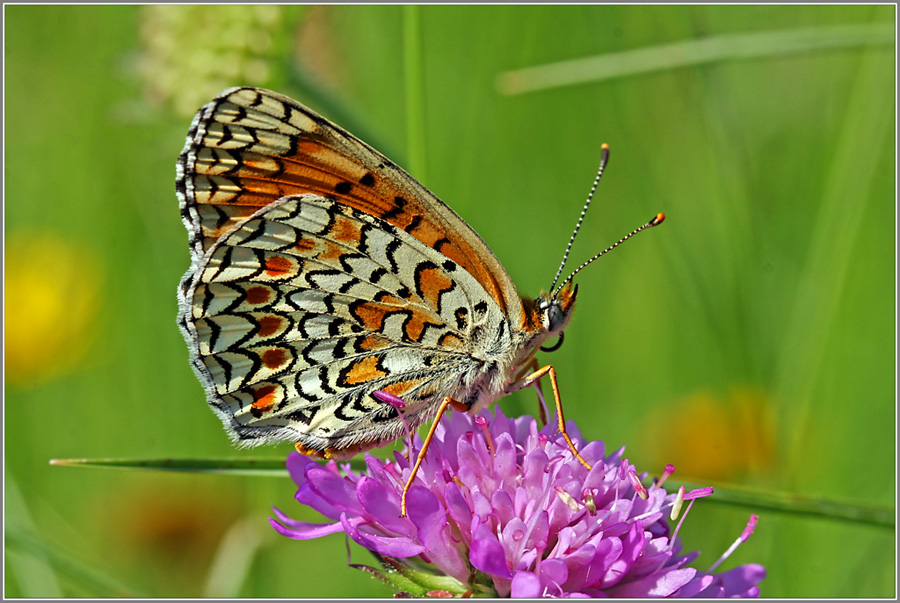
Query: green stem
{"points": [[415, 90]]}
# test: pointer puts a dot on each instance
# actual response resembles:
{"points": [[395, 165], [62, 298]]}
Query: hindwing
{"points": [[298, 312]]}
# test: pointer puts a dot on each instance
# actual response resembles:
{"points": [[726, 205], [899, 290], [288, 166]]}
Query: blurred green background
{"points": [[749, 340]]}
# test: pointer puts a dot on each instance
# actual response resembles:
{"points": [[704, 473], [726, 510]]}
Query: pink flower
{"points": [[505, 509]]}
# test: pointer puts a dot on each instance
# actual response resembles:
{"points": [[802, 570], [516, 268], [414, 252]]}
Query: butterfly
{"points": [[325, 282]]}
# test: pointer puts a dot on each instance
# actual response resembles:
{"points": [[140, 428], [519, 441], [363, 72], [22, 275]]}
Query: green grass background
{"points": [[774, 271]]}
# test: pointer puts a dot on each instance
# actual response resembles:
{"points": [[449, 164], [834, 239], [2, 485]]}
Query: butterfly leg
{"points": [[549, 370], [527, 370], [448, 401]]}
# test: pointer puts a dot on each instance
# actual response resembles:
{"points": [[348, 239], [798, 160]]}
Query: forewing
{"points": [[249, 147]]}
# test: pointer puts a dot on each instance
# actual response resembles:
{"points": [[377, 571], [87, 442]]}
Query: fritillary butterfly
{"points": [[324, 276]]}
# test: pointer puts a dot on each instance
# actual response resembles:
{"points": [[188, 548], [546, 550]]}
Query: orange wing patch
{"points": [[362, 371], [269, 325], [345, 231], [264, 397], [305, 245], [274, 358], [414, 328], [371, 315], [278, 266], [370, 343], [449, 340], [258, 294], [401, 387], [431, 283]]}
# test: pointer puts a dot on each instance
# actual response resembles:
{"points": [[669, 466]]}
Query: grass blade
{"points": [[808, 506], [229, 466], [99, 584], [257, 466], [688, 53]]}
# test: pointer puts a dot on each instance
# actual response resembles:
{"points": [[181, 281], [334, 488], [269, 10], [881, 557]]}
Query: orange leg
{"points": [[559, 411], [527, 370], [448, 401]]}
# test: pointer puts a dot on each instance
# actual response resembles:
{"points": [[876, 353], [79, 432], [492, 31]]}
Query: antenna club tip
{"points": [[658, 219], [604, 146]]}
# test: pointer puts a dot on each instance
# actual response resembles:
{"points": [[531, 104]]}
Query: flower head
{"points": [[504, 509]]}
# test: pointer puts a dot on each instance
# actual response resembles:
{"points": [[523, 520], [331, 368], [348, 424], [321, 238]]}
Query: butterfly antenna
{"points": [[656, 221], [604, 158]]}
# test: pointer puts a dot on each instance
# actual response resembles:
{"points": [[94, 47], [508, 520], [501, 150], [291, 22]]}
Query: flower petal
{"points": [[502, 503], [525, 585], [579, 565], [738, 582], [296, 465], [655, 585], [533, 472], [538, 531], [389, 546], [632, 544], [383, 506], [334, 489], [458, 509], [505, 468], [593, 452], [301, 530], [696, 586], [512, 538], [306, 495], [554, 572], [486, 553], [430, 518]]}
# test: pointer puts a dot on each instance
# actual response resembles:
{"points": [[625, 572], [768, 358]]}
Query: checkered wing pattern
{"points": [[321, 272]]}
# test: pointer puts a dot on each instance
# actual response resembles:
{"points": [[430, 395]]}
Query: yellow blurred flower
{"points": [[715, 437], [52, 289]]}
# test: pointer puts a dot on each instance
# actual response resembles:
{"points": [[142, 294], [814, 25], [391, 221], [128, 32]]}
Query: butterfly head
{"points": [[554, 311], [550, 313]]}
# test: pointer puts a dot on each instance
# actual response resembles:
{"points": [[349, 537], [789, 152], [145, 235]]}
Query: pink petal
{"points": [[525, 585]]}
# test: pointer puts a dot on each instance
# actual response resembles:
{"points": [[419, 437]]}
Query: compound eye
{"points": [[554, 317]]}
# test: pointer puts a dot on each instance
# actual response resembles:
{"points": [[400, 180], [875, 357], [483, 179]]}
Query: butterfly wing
{"points": [[249, 147], [300, 311]]}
